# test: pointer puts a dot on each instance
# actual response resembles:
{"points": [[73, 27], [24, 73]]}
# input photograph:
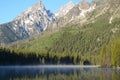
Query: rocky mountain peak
{"points": [[70, 3], [84, 4], [35, 17], [39, 6], [84, 1], [32, 21], [65, 9]]}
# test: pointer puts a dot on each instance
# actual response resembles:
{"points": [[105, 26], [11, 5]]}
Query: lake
{"points": [[60, 72]]}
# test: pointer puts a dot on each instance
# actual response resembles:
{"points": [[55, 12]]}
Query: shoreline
{"points": [[49, 66], [53, 66]]}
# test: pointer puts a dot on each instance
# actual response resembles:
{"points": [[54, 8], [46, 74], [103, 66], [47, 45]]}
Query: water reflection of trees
{"points": [[67, 74], [109, 74]]}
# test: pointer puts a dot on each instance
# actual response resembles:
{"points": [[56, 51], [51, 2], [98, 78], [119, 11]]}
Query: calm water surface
{"points": [[58, 73]]}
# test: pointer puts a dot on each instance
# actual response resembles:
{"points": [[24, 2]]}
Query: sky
{"points": [[9, 9]]}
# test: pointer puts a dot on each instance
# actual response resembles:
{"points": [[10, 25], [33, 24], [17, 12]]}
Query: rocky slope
{"points": [[76, 14]]}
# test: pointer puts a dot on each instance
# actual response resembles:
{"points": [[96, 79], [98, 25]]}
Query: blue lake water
{"points": [[58, 73]]}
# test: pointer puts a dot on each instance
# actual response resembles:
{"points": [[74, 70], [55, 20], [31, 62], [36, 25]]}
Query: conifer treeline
{"points": [[16, 57], [110, 54]]}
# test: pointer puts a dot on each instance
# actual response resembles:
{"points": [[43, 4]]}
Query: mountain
{"points": [[32, 21], [37, 19], [100, 25], [84, 35], [64, 9], [80, 12], [76, 14]]}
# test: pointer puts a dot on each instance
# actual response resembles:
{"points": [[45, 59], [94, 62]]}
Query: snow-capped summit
{"points": [[64, 9]]}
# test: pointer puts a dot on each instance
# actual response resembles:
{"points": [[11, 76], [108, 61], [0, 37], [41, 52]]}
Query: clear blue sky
{"points": [[9, 9]]}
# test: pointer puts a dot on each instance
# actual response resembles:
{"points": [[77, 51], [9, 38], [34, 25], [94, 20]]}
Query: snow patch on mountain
{"points": [[110, 21]]}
